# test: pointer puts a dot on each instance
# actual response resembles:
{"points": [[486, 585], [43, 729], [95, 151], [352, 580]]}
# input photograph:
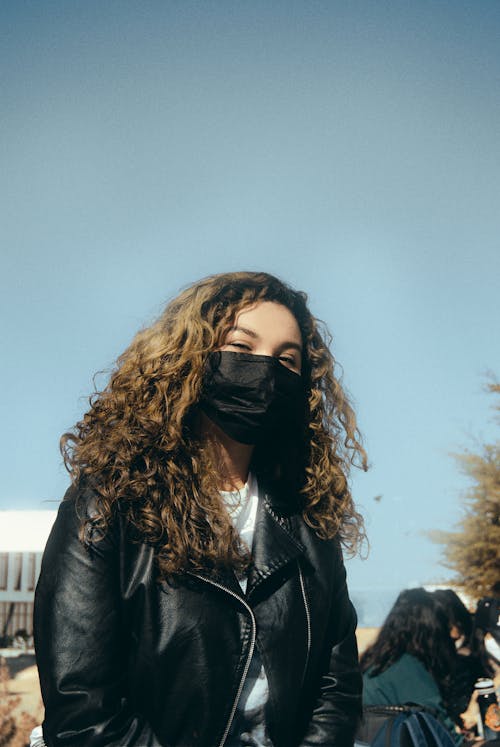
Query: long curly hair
{"points": [[419, 626], [139, 449]]}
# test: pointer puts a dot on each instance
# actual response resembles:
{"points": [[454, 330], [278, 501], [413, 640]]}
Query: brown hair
{"points": [[137, 443]]}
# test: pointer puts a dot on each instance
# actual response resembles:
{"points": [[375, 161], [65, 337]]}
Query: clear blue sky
{"points": [[352, 148]]}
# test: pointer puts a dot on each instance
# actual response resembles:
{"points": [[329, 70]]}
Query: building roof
{"points": [[25, 531]]}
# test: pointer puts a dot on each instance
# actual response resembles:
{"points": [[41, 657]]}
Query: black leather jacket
{"points": [[125, 660]]}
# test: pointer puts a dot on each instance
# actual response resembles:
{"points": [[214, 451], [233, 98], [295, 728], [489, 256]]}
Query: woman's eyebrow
{"points": [[295, 345], [249, 332], [252, 333]]}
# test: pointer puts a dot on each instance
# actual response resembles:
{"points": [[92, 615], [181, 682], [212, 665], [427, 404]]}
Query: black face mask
{"points": [[252, 397]]}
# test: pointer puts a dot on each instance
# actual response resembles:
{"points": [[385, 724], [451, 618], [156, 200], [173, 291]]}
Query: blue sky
{"points": [[352, 148]]}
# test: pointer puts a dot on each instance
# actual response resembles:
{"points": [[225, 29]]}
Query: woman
{"points": [[460, 619], [486, 631], [193, 590], [412, 659], [470, 664]]}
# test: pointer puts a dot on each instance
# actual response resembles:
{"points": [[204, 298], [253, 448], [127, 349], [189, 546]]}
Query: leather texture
{"points": [[126, 660]]}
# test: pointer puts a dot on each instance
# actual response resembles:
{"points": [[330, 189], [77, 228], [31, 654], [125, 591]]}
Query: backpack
{"points": [[402, 726]]}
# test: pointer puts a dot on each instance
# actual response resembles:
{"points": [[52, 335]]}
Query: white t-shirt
{"points": [[248, 726]]}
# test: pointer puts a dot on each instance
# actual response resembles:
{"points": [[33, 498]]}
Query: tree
{"points": [[473, 549]]}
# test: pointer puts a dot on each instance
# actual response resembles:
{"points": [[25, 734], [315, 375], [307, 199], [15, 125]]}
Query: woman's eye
{"points": [[290, 362], [239, 345]]}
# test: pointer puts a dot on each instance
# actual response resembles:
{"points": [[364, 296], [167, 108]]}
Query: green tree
{"points": [[473, 549]]}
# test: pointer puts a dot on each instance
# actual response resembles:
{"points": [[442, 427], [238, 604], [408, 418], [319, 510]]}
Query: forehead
{"points": [[269, 319]]}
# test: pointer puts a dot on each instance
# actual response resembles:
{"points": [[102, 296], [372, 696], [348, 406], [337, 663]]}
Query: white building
{"points": [[23, 535]]}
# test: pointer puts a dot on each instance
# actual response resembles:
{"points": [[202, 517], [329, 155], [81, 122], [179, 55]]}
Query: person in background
{"points": [[193, 590], [471, 634], [487, 628], [459, 618], [412, 658], [470, 664]]}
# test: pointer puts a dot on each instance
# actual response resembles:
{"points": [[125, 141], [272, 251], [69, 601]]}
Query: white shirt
{"points": [[242, 508], [248, 726]]}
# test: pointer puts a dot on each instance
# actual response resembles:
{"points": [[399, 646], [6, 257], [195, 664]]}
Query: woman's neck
{"points": [[233, 456]]}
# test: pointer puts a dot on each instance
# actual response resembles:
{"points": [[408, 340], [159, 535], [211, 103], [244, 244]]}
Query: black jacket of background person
{"points": [[125, 660]]}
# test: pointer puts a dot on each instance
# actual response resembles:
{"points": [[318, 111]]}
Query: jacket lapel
{"points": [[274, 545]]}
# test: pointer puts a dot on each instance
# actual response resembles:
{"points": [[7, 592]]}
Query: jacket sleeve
{"points": [[80, 650], [338, 707]]}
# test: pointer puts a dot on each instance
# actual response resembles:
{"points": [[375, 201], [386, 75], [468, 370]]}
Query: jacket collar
{"points": [[274, 545]]}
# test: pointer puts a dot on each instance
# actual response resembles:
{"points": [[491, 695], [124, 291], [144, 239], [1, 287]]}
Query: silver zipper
{"points": [[249, 657], [308, 619]]}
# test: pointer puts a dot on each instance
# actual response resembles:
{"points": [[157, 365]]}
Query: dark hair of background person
{"points": [[485, 621], [416, 625], [138, 444], [456, 611], [471, 661]]}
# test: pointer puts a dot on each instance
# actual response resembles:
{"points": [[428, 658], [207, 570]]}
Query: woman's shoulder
{"points": [[78, 521], [410, 670], [323, 554], [407, 674], [80, 500], [406, 667], [407, 663], [310, 537]]}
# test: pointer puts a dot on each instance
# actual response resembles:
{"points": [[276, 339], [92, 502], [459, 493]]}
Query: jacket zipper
{"points": [[249, 657], [308, 620]]}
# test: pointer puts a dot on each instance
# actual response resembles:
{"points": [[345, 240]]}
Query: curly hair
{"points": [[139, 449], [416, 625]]}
